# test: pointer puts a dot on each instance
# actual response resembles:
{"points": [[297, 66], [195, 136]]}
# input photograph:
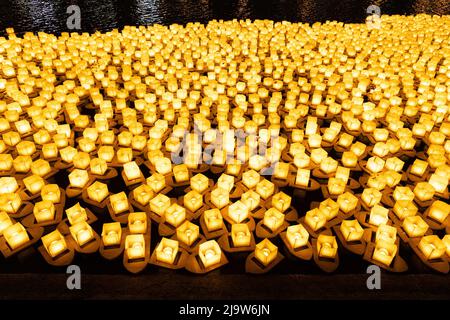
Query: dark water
{"points": [[51, 16]]}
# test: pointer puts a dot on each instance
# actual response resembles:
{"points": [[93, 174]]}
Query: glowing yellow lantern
{"points": [[238, 211], [432, 247], [167, 250], [16, 235], [438, 182], [226, 182], [439, 211], [135, 246], [188, 233], [5, 221], [163, 165], [137, 222], [68, 153], [315, 219], [131, 170], [423, 191], [220, 197], [445, 240], [97, 191], [26, 148], [371, 196], [175, 214], [82, 233], [273, 219], [378, 215], [281, 201], [210, 253], [81, 160], [181, 173], [106, 153], [250, 178], [76, 214], [281, 170], [111, 234], [240, 235], [159, 204], [327, 246], [44, 211], [54, 243], [199, 183], [156, 181], [119, 202], [143, 194], [415, 226], [50, 150], [266, 252], [404, 208], [351, 230], [386, 233], [8, 185], [419, 167], [329, 208], [302, 178], [34, 183], [384, 252], [403, 193], [213, 219], [98, 166], [265, 188], [78, 178], [297, 236], [347, 202]]}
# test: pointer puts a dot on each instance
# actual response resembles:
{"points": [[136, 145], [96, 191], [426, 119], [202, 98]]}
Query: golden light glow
{"points": [[386, 233], [137, 222], [213, 219], [240, 235], [44, 211], [209, 253], [432, 247], [81, 232], [111, 234], [327, 246], [266, 252], [384, 252], [297, 236], [188, 233], [97, 191], [54, 243], [16, 235], [135, 246], [167, 250], [351, 230]]}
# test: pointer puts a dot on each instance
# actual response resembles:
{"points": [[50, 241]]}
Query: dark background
{"points": [[28, 276], [51, 16]]}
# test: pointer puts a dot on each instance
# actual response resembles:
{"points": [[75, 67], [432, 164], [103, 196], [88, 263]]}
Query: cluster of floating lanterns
{"points": [[356, 117]]}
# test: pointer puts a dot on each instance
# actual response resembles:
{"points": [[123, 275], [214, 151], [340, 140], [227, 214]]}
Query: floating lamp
{"points": [[54, 243], [404, 208], [210, 253], [44, 211], [167, 250], [220, 197], [327, 246], [266, 252], [34, 183], [238, 211], [82, 233], [78, 178], [199, 183], [240, 235], [273, 219], [432, 247], [137, 222], [143, 194], [159, 204], [188, 233], [213, 219], [76, 214], [351, 230], [5, 221], [135, 246], [97, 191], [119, 202], [415, 226], [193, 200], [175, 215], [315, 219], [111, 234], [439, 211], [386, 233], [16, 235], [297, 236], [384, 252]]}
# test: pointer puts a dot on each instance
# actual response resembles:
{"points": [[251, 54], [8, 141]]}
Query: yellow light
{"points": [[44, 211], [378, 215], [167, 250], [423, 191], [439, 211], [432, 247], [54, 243], [210, 253], [280, 201], [371, 196], [315, 219], [238, 211], [329, 208], [384, 252], [386, 233], [76, 214], [188, 233], [297, 236], [157, 182], [111, 234], [135, 246], [415, 226], [439, 183], [265, 188], [97, 191], [404, 208], [273, 219], [347, 202], [351, 230], [8, 185], [143, 194], [175, 215], [213, 219], [266, 252], [250, 178], [132, 170], [5, 221], [327, 246], [240, 235], [199, 183], [16, 235], [163, 165], [225, 182], [78, 178], [220, 197], [137, 222], [119, 202], [159, 204], [193, 200], [302, 178], [418, 167], [82, 233]]}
